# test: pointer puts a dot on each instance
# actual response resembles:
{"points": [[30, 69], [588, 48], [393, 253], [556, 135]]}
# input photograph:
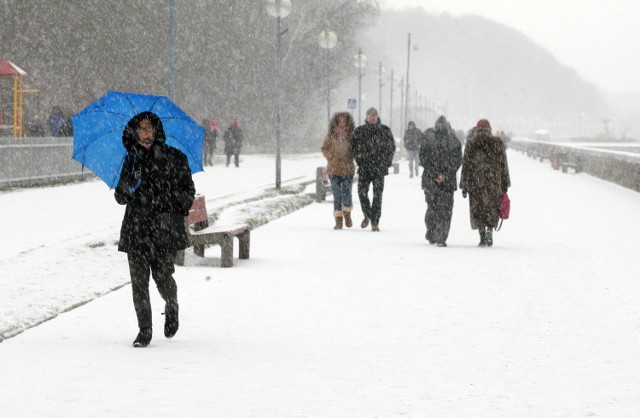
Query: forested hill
{"points": [[483, 68]]}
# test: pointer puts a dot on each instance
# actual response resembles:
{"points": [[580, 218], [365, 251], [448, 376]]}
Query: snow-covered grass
{"points": [[324, 323]]}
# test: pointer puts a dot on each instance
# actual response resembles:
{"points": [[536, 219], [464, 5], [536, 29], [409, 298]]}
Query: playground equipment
{"points": [[9, 69]]}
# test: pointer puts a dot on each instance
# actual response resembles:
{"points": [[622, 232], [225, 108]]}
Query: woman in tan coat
{"points": [[340, 165], [485, 175]]}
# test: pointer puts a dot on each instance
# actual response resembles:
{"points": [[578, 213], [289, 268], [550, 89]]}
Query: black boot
{"points": [[144, 337], [483, 237], [171, 320], [489, 236]]}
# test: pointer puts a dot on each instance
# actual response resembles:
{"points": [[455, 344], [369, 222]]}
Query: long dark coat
{"points": [[441, 152], [373, 148], [485, 174], [233, 139], [157, 188]]}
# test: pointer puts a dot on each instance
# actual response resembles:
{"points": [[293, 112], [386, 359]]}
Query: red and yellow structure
{"points": [[9, 69]]}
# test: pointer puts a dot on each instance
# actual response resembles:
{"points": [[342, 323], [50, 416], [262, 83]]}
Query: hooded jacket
{"points": [[485, 174], [157, 187], [441, 153], [336, 149]]}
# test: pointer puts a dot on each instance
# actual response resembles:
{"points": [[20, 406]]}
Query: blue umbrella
{"points": [[97, 132]]}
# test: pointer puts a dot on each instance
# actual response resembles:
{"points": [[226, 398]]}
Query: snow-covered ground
{"points": [[324, 323]]}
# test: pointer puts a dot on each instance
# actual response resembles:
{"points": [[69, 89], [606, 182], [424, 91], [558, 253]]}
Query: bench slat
{"points": [[215, 234]]}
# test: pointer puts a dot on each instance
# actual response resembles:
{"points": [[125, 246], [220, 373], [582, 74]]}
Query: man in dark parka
{"points": [[373, 148], [155, 184], [441, 157]]}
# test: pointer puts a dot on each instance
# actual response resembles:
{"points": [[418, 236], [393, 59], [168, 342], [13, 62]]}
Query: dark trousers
{"points": [[438, 216], [161, 267], [372, 210], [236, 159]]}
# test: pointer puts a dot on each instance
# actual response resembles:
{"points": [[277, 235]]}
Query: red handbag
{"points": [[505, 207]]}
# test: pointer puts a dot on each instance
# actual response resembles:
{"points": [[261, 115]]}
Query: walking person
{"points": [[156, 186], [440, 157], [210, 138], [412, 140], [485, 175], [233, 142], [340, 165], [373, 148]]}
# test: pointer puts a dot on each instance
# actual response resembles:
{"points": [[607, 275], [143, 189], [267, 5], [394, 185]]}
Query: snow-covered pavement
{"points": [[324, 323]]}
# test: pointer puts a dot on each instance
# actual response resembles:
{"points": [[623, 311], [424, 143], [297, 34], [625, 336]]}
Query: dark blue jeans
{"points": [[372, 210], [341, 188]]}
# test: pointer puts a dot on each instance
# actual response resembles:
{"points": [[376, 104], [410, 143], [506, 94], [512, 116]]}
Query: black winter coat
{"points": [[157, 188], [441, 152], [373, 148]]}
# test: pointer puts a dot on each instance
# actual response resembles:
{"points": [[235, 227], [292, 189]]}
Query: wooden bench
{"points": [[577, 167], [202, 235]]}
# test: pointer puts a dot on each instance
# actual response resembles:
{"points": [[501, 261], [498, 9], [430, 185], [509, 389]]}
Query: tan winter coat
{"points": [[485, 174], [336, 150]]}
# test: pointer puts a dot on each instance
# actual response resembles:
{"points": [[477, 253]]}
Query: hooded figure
{"points": [[440, 156], [340, 166], [412, 140], [485, 175], [156, 186]]}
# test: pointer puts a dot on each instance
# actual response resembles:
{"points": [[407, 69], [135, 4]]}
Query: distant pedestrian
{"points": [[412, 140], [210, 137], [485, 175], [233, 143], [340, 165], [56, 122], [157, 188], [373, 148], [440, 156]]}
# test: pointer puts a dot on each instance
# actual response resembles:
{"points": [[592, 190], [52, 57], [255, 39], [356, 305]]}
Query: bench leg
{"points": [[227, 251], [245, 242], [198, 250], [179, 258]]}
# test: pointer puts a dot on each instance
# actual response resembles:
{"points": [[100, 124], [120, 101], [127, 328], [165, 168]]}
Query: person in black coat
{"points": [[233, 139], [373, 148], [441, 157], [156, 186]]}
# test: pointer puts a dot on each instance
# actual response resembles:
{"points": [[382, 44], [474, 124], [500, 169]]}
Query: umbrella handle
{"points": [[135, 186]]}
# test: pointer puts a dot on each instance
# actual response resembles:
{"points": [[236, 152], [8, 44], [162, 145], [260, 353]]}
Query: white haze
{"points": [[599, 39], [324, 323]]}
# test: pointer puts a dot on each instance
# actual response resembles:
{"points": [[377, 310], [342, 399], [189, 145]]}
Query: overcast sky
{"points": [[600, 39]]}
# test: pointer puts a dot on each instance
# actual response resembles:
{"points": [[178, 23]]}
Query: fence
{"points": [[615, 162], [37, 161]]}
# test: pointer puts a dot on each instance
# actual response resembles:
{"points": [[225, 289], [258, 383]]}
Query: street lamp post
{"points": [[360, 62], [170, 52], [391, 83], [403, 123], [406, 107], [380, 72], [328, 40], [278, 9]]}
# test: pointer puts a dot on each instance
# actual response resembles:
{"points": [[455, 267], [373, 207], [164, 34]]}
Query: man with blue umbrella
{"points": [[156, 185]]}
